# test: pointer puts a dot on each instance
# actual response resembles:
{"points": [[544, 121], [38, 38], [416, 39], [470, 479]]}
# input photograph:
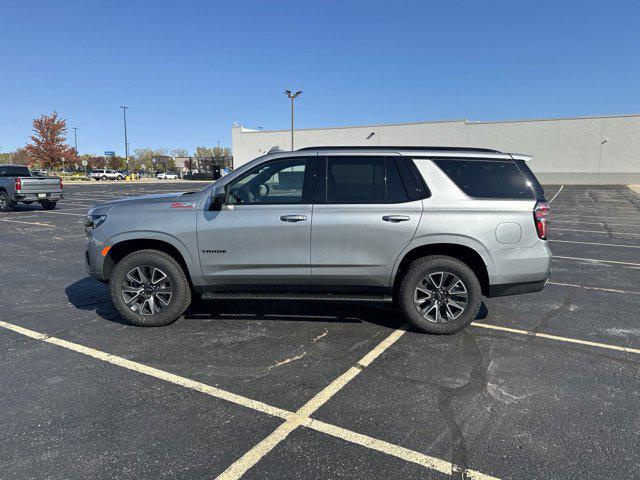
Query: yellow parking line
{"points": [[296, 419], [557, 338]]}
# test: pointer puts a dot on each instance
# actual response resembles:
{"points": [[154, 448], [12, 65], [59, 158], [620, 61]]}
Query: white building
{"points": [[578, 150]]}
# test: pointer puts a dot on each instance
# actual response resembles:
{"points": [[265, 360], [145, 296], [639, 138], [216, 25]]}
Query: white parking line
{"points": [[597, 223], [40, 224], [253, 456], [600, 289], [593, 215], [594, 231], [557, 193], [60, 213], [595, 260], [558, 338], [329, 429], [594, 243]]}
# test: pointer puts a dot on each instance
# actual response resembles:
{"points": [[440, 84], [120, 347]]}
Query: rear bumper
{"points": [[516, 288], [34, 197]]}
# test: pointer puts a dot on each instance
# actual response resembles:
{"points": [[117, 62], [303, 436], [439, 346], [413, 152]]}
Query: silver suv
{"points": [[431, 228]]}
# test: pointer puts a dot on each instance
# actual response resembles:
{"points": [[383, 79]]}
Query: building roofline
{"points": [[466, 122]]}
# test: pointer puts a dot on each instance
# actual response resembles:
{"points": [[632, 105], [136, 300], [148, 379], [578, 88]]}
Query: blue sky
{"points": [[189, 69]]}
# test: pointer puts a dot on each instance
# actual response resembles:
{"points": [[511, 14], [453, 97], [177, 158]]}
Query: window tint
{"points": [[531, 178], [275, 182], [14, 171], [487, 179], [395, 191], [364, 180]]}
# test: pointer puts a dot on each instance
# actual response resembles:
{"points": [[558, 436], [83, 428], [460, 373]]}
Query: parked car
{"points": [[106, 174], [17, 184], [167, 176], [433, 229]]}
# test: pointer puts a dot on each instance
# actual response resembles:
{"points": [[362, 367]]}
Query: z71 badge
{"points": [[183, 205]]}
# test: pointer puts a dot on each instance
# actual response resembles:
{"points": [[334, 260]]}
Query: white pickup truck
{"points": [[106, 174], [18, 185]]}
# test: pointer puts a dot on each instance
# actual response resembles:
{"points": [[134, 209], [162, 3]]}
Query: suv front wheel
{"points": [[440, 294], [149, 288]]}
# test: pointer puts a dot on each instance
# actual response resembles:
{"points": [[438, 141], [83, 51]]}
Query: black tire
{"points": [[119, 177], [48, 204], [180, 298], [6, 205], [104, 178], [421, 269]]}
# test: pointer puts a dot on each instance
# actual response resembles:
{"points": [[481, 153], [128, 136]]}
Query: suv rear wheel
{"points": [[440, 294], [149, 288]]}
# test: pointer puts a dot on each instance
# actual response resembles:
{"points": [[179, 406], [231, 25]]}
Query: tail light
{"points": [[60, 184], [18, 182], [541, 219]]}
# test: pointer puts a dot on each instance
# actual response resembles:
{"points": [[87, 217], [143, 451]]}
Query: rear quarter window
{"points": [[487, 178]]}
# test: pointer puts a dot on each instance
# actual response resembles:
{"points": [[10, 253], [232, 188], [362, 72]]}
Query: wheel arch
{"points": [[123, 248], [465, 253]]}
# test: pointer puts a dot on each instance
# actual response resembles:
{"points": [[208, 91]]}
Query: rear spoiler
{"points": [[521, 156]]}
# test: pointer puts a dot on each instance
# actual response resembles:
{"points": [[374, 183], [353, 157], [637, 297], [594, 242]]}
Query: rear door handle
{"points": [[293, 218], [396, 218]]}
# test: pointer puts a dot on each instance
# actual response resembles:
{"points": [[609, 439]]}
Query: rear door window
{"points": [[487, 178], [363, 180]]}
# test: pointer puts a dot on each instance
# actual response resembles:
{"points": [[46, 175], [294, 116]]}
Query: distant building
{"points": [[578, 150]]}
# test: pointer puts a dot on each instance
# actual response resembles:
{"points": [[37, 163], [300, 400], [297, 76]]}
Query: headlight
{"points": [[94, 221]]}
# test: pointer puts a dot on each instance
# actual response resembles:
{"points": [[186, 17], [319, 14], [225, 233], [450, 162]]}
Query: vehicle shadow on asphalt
{"points": [[90, 294]]}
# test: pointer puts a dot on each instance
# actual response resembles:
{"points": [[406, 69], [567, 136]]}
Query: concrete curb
{"points": [[635, 188]]}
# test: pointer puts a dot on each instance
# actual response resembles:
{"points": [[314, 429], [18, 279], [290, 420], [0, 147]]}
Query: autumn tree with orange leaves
{"points": [[49, 142]]}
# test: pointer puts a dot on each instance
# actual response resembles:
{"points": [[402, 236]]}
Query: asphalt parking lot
{"points": [[544, 385]]}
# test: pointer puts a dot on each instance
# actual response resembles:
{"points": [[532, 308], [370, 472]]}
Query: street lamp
{"points": [[292, 96], [75, 139], [126, 144]]}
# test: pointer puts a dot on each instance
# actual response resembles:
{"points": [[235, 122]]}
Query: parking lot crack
{"points": [[288, 360], [476, 383], [549, 315]]}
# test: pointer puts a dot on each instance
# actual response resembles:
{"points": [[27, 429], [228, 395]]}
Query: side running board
{"points": [[332, 297]]}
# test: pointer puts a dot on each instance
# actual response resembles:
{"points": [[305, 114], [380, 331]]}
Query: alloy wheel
{"points": [[147, 290], [441, 297]]}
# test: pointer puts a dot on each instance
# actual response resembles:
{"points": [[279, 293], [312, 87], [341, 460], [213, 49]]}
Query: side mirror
{"points": [[218, 199]]}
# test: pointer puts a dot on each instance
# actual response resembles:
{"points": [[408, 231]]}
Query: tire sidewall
{"points": [[423, 267], [181, 297], [7, 204]]}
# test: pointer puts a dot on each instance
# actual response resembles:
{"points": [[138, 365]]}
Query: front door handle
{"points": [[293, 218], [396, 218]]}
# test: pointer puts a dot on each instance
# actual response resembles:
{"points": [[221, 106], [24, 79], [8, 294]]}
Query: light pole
{"points": [[75, 139], [292, 96], [126, 144]]}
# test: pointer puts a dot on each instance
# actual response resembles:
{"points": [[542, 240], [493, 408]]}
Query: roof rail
{"points": [[396, 147]]}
